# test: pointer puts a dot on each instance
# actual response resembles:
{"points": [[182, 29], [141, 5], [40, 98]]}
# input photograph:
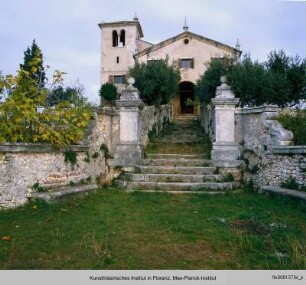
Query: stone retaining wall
{"points": [[281, 165], [207, 120], [22, 166], [266, 148], [105, 129], [153, 120]]}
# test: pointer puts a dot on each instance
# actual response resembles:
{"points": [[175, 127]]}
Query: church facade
{"points": [[122, 45]]}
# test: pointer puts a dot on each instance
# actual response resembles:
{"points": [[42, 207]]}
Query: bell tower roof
{"points": [[135, 22]]}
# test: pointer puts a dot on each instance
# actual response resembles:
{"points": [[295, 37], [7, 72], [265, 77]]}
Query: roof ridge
{"points": [[178, 36]]}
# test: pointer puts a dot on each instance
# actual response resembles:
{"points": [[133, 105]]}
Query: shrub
{"points": [[290, 184], [70, 156], [37, 188], [281, 80], [156, 81], [297, 124], [104, 149], [108, 91], [249, 81], [205, 88], [26, 117]]}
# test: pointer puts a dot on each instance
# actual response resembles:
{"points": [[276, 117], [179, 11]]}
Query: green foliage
{"points": [[33, 64], [290, 184], [73, 95], [105, 151], [281, 80], [95, 155], [249, 81], [229, 178], [152, 133], [291, 72], [26, 117], [70, 156], [87, 157], [296, 123], [156, 81], [37, 188], [205, 88], [108, 91]]}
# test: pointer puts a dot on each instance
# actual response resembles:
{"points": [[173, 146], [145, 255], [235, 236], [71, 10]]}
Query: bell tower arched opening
{"points": [[115, 38]]}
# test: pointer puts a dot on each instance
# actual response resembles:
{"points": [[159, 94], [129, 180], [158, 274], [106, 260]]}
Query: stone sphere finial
{"points": [[223, 79], [131, 81]]}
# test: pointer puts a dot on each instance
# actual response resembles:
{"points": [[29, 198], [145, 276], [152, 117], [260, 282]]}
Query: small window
{"points": [[186, 41], [119, 79], [117, 59], [186, 63]]}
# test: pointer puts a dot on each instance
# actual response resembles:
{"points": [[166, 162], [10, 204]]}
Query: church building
{"points": [[122, 45]]}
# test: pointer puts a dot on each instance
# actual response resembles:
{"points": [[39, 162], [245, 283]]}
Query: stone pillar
{"points": [[225, 150], [129, 150]]}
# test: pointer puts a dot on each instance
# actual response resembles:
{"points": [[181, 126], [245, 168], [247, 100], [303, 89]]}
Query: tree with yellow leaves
{"points": [[26, 117]]}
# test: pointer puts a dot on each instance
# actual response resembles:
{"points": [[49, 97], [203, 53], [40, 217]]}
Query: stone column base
{"points": [[128, 154], [225, 151]]}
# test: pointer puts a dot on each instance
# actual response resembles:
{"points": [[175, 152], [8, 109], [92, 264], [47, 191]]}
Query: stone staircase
{"points": [[178, 162]]}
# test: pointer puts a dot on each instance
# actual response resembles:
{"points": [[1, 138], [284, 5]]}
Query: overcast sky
{"points": [[68, 34]]}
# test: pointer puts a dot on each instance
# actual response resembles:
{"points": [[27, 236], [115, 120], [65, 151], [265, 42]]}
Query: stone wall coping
{"points": [[48, 196], [39, 148], [130, 104], [225, 101], [254, 110], [107, 110], [284, 191], [227, 163], [296, 149]]}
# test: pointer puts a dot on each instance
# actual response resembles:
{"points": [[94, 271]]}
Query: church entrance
{"points": [[186, 92]]}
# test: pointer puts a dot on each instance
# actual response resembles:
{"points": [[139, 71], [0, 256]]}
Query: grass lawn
{"points": [[112, 229]]}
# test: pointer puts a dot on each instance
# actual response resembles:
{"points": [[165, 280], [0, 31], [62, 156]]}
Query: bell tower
{"points": [[118, 45]]}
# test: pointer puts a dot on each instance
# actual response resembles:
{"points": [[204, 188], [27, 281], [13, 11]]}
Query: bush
{"points": [[249, 81], [290, 184], [73, 95], [70, 156], [156, 81], [26, 116], [281, 80], [108, 91], [205, 88], [297, 124]]}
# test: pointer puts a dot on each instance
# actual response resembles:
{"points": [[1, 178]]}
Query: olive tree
{"points": [[156, 81]]}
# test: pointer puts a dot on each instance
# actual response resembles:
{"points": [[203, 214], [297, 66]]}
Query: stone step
{"points": [[206, 192], [185, 118], [64, 192], [176, 170], [173, 177], [177, 156], [177, 162], [176, 186], [179, 140]]}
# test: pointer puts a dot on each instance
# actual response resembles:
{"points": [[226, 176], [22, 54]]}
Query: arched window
{"points": [[122, 37], [115, 38]]}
